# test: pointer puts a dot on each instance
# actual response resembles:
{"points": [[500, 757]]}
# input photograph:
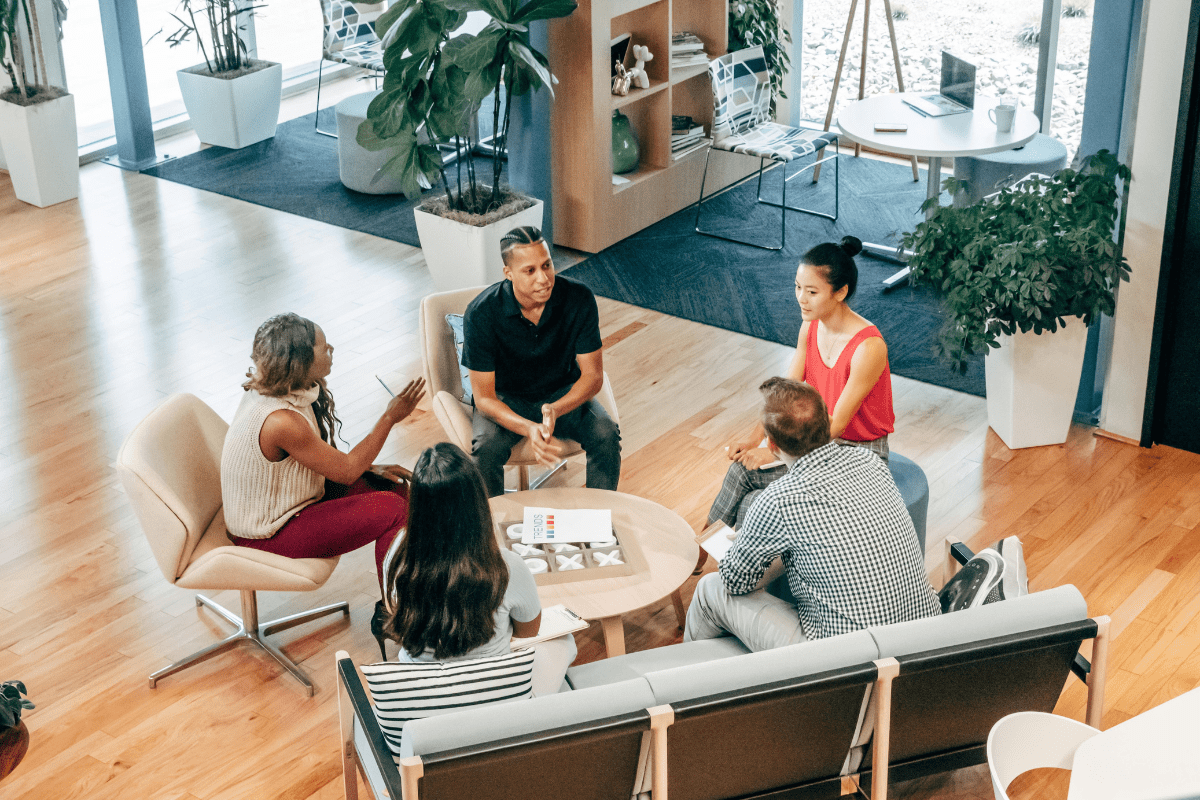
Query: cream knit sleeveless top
{"points": [[261, 495]]}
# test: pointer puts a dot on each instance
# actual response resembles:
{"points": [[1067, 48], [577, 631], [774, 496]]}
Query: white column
{"points": [[1165, 26]]}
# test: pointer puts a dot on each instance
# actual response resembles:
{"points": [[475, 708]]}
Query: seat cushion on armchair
{"points": [[756, 669], [493, 723], [656, 659], [1038, 610]]}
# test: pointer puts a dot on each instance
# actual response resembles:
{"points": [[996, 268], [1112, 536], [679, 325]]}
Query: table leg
{"points": [[932, 189], [614, 635], [680, 611]]}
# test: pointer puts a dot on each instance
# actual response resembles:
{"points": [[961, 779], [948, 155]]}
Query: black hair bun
{"points": [[851, 245]]}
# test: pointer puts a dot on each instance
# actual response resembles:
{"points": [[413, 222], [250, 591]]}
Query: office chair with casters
{"points": [[349, 39], [1032, 740], [444, 384], [170, 466], [742, 125]]}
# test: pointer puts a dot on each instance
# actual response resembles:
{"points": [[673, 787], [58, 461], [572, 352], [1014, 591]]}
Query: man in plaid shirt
{"points": [[836, 519]]}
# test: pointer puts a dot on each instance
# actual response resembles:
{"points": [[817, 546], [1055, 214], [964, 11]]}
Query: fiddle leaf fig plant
{"points": [[754, 22], [12, 702], [435, 83], [1024, 259]]}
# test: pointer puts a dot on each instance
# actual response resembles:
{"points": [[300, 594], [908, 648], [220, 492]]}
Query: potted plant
{"points": [[232, 99], [434, 86], [37, 120], [753, 22], [14, 736], [1035, 259]]}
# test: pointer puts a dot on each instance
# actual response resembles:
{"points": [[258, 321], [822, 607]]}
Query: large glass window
{"points": [[87, 77], [999, 36]]}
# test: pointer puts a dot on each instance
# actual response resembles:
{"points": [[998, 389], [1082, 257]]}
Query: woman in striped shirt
{"points": [[455, 592]]}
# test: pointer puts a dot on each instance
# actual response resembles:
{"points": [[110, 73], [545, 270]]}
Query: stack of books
{"points": [[687, 50], [686, 135]]}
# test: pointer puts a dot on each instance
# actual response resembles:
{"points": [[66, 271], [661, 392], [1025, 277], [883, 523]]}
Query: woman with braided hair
{"points": [[285, 486]]}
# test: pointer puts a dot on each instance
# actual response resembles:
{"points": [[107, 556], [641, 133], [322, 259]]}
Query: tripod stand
{"points": [[862, 69]]}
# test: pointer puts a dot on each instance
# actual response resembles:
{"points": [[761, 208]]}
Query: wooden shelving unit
{"points": [[590, 212]]}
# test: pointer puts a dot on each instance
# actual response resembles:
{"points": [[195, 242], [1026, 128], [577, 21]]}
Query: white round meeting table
{"points": [[1153, 756], [970, 133]]}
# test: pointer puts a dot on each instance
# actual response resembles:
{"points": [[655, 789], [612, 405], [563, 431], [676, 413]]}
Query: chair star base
{"points": [[249, 630]]}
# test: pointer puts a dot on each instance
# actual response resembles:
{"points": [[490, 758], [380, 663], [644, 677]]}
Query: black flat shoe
{"points": [[377, 621]]}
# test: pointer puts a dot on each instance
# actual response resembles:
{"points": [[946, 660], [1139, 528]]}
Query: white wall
{"points": [[1159, 87]]}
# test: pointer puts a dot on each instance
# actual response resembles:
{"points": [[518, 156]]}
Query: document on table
{"points": [[716, 539], [556, 621], [543, 525]]}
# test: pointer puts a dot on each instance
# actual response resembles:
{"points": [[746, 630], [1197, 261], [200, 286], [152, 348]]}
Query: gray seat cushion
{"points": [[1038, 610], [635, 665], [491, 723], [754, 669]]}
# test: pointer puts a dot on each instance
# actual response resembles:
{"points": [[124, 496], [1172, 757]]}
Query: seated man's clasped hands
{"points": [[837, 521], [532, 346]]}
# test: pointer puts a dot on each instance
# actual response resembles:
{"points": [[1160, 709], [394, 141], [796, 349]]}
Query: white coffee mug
{"points": [[1003, 115], [516, 531]]}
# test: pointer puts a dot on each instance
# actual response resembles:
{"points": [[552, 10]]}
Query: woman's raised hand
{"points": [[403, 404]]}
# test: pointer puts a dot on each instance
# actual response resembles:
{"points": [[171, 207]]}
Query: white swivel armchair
{"points": [[170, 467], [445, 387]]}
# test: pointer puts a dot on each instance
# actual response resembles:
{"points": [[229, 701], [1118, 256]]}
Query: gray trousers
{"points": [[760, 620]]}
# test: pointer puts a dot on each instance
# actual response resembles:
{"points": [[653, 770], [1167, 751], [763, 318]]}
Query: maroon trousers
{"points": [[345, 519]]}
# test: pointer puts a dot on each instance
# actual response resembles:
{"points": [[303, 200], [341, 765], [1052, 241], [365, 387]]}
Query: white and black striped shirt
{"points": [[846, 539]]}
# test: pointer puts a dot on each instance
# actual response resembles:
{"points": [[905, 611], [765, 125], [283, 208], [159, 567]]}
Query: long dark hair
{"points": [[447, 576], [283, 355], [838, 262]]}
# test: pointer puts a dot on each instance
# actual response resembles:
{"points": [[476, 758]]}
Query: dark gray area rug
{"points": [[668, 267], [297, 172]]}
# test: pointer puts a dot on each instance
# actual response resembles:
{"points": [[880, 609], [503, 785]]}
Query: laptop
{"points": [[957, 94]]}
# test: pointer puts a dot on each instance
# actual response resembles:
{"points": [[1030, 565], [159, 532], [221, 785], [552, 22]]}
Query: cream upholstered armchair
{"points": [[445, 386], [170, 467]]}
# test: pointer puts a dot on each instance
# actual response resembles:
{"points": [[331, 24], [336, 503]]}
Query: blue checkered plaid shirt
{"points": [[846, 539]]}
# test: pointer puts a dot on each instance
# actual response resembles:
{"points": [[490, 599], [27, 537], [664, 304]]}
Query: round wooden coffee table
{"points": [[667, 543]]}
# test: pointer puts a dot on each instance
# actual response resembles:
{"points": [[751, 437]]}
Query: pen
{"points": [[385, 386]]}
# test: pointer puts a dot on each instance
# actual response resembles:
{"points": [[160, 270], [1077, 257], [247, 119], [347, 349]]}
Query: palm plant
{"points": [[436, 82], [21, 52], [223, 20]]}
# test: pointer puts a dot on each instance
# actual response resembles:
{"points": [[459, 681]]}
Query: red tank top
{"points": [[875, 417]]}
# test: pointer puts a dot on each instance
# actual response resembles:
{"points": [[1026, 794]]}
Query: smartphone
{"points": [[891, 127]]}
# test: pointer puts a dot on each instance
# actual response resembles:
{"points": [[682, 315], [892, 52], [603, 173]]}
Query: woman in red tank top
{"points": [[842, 356]]}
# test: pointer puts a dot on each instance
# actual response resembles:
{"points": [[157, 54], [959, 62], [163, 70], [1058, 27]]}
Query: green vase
{"points": [[624, 145]]}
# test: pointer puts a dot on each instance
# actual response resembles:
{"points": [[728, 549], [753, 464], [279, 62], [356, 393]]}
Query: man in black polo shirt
{"points": [[532, 346]]}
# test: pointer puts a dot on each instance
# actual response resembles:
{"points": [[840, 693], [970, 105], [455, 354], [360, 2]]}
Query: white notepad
{"points": [[556, 621]]}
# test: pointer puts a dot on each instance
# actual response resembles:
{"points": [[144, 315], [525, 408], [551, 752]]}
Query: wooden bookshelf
{"points": [[590, 212]]}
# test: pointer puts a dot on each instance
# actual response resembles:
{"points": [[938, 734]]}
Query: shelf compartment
{"points": [[636, 94], [691, 153], [647, 25], [687, 73], [642, 173]]}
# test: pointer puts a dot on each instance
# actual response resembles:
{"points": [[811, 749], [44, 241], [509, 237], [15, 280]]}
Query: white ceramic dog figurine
{"points": [[642, 54]]}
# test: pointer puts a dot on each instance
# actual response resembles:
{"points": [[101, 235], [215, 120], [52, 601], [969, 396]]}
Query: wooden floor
{"points": [[143, 288]]}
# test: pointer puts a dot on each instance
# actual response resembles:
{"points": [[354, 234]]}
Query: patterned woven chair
{"points": [[350, 39], [742, 124]]}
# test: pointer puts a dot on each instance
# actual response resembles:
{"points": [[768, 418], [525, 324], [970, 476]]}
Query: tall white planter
{"points": [[1032, 380], [41, 147], [461, 255], [234, 112]]}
